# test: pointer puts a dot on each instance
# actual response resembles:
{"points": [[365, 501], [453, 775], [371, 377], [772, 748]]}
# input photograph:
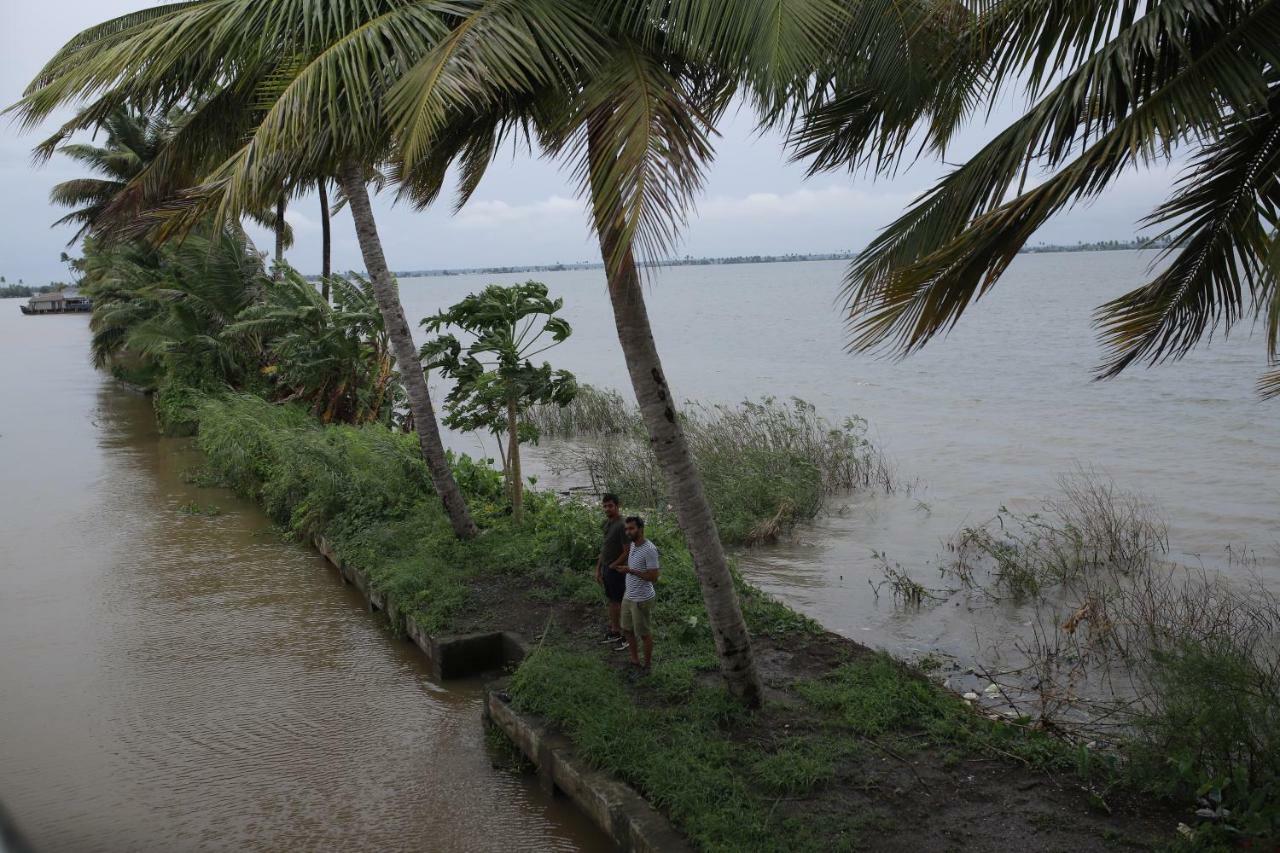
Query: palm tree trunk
{"points": [[326, 239], [280, 206], [397, 328], [666, 437]]}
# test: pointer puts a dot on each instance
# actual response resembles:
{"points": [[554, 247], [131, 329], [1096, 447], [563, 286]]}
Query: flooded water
{"points": [[174, 677], [991, 416]]}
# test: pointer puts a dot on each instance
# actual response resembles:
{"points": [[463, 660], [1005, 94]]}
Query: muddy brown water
{"points": [[175, 677]]}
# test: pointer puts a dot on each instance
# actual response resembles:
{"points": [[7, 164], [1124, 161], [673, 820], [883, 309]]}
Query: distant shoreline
{"points": [[1102, 246]]}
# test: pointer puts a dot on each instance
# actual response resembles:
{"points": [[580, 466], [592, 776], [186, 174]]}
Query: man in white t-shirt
{"points": [[641, 571]]}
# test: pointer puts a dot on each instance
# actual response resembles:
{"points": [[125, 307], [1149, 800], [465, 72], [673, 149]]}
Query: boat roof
{"points": [[56, 296]]}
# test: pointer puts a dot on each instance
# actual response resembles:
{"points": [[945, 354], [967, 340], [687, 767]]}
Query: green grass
{"points": [[367, 491], [687, 755]]}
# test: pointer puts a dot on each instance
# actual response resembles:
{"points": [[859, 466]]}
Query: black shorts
{"points": [[615, 584]]}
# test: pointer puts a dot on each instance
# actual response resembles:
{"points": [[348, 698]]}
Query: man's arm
{"points": [[620, 564]]}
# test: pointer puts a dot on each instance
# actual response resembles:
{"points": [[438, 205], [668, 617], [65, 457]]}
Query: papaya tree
{"points": [[495, 379]]}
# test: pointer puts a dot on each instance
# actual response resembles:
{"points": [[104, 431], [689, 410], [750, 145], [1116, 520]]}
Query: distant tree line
{"points": [[689, 261], [11, 291], [1103, 246]]}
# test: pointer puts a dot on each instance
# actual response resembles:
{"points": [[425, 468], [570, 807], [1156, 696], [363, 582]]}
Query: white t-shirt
{"points": [[643, 557]]}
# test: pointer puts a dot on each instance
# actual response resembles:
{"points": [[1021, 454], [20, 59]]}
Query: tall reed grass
{"points": [[766, 465]]}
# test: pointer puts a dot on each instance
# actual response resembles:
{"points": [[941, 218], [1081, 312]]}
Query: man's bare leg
{"points": [[615, 617], [648, 650], [631, 647]]}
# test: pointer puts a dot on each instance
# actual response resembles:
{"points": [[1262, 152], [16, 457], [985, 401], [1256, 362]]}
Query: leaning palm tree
{"points": [[305, 80], [1114, 85], [629, 92]]}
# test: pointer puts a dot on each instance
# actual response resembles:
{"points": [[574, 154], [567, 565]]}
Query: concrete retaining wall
{"points": [[614, 807], [449, 656]]}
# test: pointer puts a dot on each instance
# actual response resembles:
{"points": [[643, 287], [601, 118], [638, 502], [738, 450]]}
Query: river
{"points": [[175, 677], [989, 416]]}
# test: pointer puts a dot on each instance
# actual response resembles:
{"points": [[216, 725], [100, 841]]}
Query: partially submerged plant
{"points": [[1091, 526], [1177, 666]]}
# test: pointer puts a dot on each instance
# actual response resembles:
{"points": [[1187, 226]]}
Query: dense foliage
{"points": [[495, 380], [333, 355], [204, 316]]}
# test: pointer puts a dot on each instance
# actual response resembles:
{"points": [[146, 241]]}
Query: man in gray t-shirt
{"points": [[613, 550], [641, 571]]}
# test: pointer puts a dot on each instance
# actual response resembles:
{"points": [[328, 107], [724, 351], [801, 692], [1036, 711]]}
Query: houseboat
{"points": [[64, 302]]}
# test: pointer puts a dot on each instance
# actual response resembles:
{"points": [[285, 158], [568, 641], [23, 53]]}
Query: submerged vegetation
{"points": [[1174, 667], [766, 465], [1090, 527]]}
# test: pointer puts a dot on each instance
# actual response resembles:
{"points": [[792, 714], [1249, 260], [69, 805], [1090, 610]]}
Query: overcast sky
{"points": [[526, 211]]}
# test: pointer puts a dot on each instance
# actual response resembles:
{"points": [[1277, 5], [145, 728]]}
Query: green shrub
{"points": [[1210, 732], [593, 411], [177, 408]]}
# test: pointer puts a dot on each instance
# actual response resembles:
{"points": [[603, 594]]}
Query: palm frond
{"points": [[917, 278], [649, 147], [1221, 222], [495, 48]]}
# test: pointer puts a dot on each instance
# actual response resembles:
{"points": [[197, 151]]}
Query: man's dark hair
{"points": [[636, 520], [610, 497]]}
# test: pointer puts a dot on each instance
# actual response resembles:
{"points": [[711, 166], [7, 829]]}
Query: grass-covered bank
{"points": [[852, 750]]}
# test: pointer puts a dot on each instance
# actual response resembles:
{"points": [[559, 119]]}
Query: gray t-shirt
{"points": [[645, 558], [615, 541]]}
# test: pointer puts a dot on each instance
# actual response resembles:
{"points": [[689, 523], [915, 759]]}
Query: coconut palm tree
{"points": [[133, 185], [629, 92], [306, 79], [1113, 86], [133, 140]]}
